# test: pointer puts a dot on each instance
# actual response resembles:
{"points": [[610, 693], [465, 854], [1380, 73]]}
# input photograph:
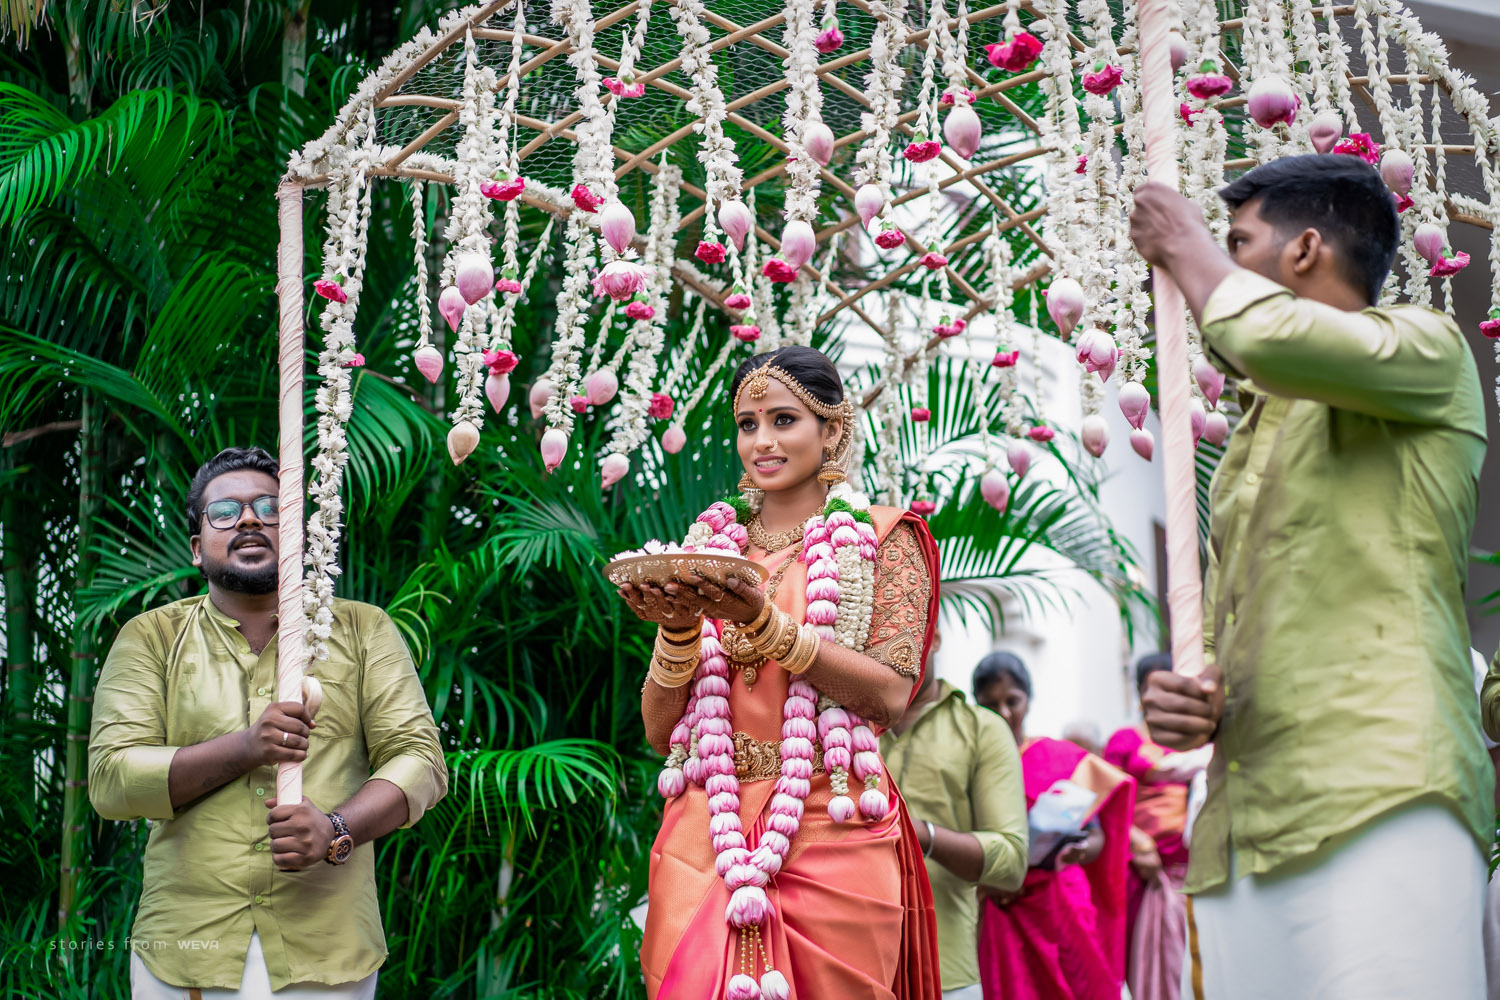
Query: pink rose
{"points": [[923, 508], [830, 39], [946, 101], [1207, 85], [1016, 54], [586, 199], [889, 239], [779, 271], [922, 150], [1361, 145], [950, 329], [1006, 359], [330, 290], [921, 414], [510, 285], [1491, 327], [622, 89], [1403, 201], [1041, 435], [639, 310], [710, 252], [737, 300], [580, 404], [501, 362], [1083, 165], [661, 406], [503, 188], [1445, 266], [358, 361], [1186, 113], [1102, 80], [933, 261], [748, 332]]}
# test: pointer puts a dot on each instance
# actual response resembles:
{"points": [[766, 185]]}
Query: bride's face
{"points": [[781, 442]]}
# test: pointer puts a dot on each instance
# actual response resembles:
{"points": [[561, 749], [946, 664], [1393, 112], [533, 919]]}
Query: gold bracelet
{"points": [[678, 654], [681, 638], [666, 677], [803, 652], [773, 635], [760, 619], [784, 640]]}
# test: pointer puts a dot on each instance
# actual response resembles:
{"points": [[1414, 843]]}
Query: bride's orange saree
{"points": [[853, 910]]}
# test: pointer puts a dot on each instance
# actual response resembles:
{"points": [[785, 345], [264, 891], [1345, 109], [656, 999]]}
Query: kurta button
{"points": [[260, 691], [260, 847], [1252, 478], [259, 898], [1234, 765], [260, 791]]}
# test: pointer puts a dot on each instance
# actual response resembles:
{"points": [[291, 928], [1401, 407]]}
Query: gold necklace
{"points": [[737, 647], [773, 541]]}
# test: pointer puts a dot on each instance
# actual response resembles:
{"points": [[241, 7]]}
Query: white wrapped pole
{"points": [[291, 650], [1184, 587]]}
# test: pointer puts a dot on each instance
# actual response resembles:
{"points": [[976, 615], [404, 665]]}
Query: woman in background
{"points": [[1062, 937]]}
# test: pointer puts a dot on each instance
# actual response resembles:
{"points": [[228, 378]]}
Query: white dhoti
{"points": [[1391, 911], [964, 993], [254, 985]]}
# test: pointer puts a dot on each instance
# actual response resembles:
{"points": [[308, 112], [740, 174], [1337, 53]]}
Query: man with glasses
{"points": [[240, 895]]}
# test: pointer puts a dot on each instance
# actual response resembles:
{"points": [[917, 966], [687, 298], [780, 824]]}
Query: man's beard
{"points": [[254, 581]]}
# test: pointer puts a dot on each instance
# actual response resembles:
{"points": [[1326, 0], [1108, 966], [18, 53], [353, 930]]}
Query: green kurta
{"points": [[183, 674], [1335, 594], [957, 767]]}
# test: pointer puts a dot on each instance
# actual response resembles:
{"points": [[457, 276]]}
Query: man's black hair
{"points": [[228, 460], [1150, 664], [998, 665], [1340, 196]]}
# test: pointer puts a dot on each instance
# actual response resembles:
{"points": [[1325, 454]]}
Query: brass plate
{"points": [[661, 568]]}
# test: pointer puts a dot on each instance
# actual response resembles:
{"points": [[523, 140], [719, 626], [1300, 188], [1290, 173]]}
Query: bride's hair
{"points": [[809, 367]]}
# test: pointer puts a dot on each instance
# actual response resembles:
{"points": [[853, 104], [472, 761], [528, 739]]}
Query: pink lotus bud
{"points": [[1179, 48], [1210, 380], [921, 414], [671, 782], [1019, 457], [1215, 428], [1143, 442], [1065, 304], [330, 290], [1429, 241], [797, 243], [585, 199], [554, 447], [741, 987], [474, 276], [1325, 130], [773, 985], [1097, 352], [737, 221], [748, 907], [1272, 101], [612, 470], [962, 130], [995, 488], [1397, 169], [829, 39], [869, 201], [1095, 434], [542, 391], [580, 404], [710, 252], [620, 280], [429, 362], [640, 310], [817, 139], [451, 306], [617, 225], [496, 390], [601, 386], [1135, 401], [462, 440], [779, 271], [874, 805], [1040, 434], [737, 301], [1197, 417], [841, 808]]}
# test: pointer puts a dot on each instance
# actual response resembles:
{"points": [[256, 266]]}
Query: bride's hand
{"points": [[737, 602], [675, 610]]}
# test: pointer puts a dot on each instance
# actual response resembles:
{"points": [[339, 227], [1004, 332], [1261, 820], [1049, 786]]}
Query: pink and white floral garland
{"points": [[840, 552]]}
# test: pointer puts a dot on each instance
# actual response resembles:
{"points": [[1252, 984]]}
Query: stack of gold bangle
{"points": [[774, 635], [676, 656]]}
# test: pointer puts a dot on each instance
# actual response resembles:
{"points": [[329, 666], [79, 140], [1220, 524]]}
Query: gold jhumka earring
{"points": [[831, 473]]}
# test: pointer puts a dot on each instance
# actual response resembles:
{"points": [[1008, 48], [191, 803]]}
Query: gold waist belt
{"points": [[760, 760]]}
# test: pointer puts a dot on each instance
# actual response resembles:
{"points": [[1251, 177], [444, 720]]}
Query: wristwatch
{"points": [[342, 844]]}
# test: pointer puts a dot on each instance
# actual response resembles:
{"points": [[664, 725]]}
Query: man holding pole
{"points": [[1340, 853], [241, 895]]}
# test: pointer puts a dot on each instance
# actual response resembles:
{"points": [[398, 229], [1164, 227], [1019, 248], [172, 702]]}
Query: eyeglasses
{"points": [[224, 514]]}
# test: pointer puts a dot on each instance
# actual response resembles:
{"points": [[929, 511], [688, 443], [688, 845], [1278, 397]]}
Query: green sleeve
{"points": [[399, 731], [1403, 364], [128, 757], [1489, 700], [999, 800]]}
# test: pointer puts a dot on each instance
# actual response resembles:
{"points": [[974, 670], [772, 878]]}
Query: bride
{"points": [[786, 865]]}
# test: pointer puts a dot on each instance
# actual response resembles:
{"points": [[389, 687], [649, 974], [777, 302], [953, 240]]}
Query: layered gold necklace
{"points": [[773, 541]]}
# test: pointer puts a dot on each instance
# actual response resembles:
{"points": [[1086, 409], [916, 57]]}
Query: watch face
{"points": [[340, 849]]}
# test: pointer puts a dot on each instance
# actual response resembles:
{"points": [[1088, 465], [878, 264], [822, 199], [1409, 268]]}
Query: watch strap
{"points": [[340, 828]]}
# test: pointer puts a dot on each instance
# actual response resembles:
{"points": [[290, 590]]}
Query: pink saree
{"points": [[1064, 939], [853, 908]]}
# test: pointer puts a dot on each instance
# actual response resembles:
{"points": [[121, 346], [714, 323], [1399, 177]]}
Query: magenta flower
{"points": [[1186, 113], [737, 300], [946, 101], [1210, 83], [501, 362], [923, 508], [1041, 435], [586, 199], [1491, 327], [358, 361], [1015, 54], [1103, 79], [1361, 145], [710, 252], [889, 239], [1006, 359], [1445, 266], [622, 89], [503, 188], [950, 329], [580, 404], [1083, 165], [1403, 201], [933, 261], [620, 280], [779, 271], [748, 332], [639, 310], [661, 406], [921, 414], [830, 39], [922, 150], [330, 290], [510, 285]]}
